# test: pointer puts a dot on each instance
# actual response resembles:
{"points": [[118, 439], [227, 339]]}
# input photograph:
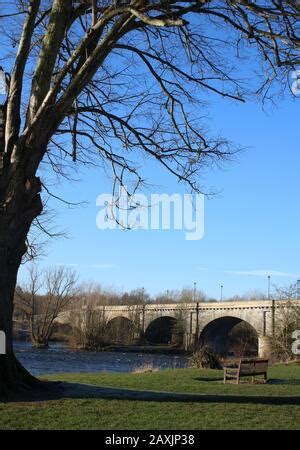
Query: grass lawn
{"points": [[95, 413]]}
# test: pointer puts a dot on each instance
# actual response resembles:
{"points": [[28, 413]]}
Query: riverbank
{"points": [[60, 359], [146, 401], [151, 349]]}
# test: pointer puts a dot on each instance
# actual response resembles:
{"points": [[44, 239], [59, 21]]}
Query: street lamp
{"points": [[195, 284], [273, 304], [269, 286], [222, 292]]}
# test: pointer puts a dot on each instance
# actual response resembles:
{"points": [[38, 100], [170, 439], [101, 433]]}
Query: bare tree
{"points": [[135, 297], [89, 327], [287, 320], [115, 83], [285, 292], [43, 298], [185, 295], [253, 295]]}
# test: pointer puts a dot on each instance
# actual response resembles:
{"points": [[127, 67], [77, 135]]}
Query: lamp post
{"points": [[221, 292], [273, 305], [269, 286], [195, 286]]}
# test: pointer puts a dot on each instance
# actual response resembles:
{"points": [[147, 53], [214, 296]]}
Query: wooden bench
{"points": [[245, 368]]}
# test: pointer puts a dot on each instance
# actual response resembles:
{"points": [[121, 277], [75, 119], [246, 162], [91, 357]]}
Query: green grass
{"points": [[285, 380], [91, 413]]}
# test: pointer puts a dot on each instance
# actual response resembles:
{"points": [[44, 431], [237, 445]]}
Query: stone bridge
{"points": [[201, 323]]}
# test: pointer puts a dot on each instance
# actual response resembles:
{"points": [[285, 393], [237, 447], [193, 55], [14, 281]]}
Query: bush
{"points": [[206, 358], [286, 322]]}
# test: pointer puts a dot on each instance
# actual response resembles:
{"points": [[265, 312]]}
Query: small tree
{"points": [[205, 358], [41, 309], [89, 333], [135, 297], [287, 320], [178, 329]]}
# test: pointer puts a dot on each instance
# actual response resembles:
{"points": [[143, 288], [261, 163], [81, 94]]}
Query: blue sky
{"points": [[251, 224]]}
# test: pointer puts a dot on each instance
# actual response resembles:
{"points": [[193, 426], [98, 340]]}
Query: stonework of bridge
{"points": [[202, 323]]}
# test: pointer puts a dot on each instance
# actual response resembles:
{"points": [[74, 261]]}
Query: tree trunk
{"points": [[13, 377], [20, 203]]}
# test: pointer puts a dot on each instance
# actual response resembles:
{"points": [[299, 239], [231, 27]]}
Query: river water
{"points": [[60, 359]]}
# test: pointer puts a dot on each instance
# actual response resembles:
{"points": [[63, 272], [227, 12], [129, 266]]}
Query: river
{"points": [[60, 359]]}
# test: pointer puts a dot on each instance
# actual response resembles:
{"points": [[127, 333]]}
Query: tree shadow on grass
{"points": [[290, 381], [63, 390]]}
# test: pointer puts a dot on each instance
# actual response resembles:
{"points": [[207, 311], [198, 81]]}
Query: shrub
{"points": [[206, 358]]}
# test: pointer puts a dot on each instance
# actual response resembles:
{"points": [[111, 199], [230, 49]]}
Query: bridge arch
{"points": [[230, 336], [164, 330], [120, 330]]}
